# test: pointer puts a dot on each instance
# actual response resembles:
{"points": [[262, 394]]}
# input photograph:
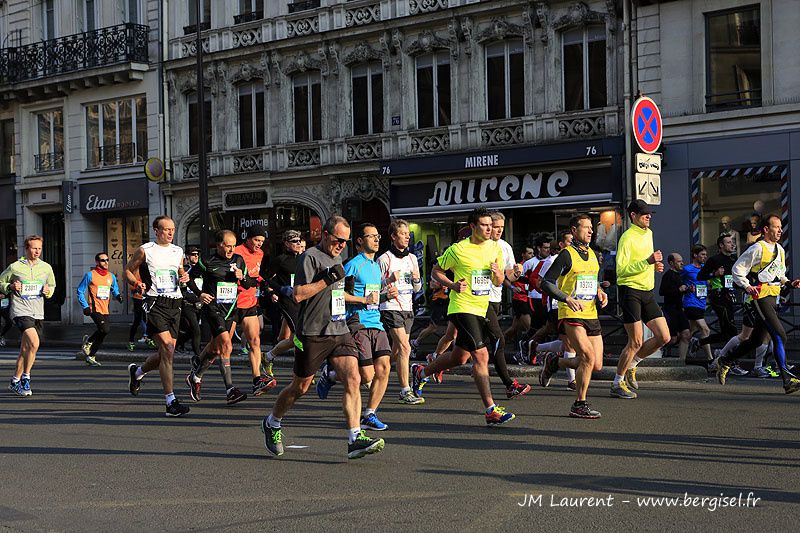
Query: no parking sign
{"points": [[647, 125]]}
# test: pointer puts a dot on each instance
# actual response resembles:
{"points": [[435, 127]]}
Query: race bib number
{"points": [[4, 303], [337, 305], [291, 280], [773, 271], [701, 291], [166, 281], [373, 288], [31, 290], [103, 292], [586, 287], [481, 282], [728, 281], [226, 292], [404, 283]]}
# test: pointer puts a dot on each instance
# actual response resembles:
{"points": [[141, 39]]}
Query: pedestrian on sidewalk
{"points": [[100, 285]]}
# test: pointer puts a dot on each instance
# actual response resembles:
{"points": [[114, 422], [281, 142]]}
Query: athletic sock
{"points": [[368, 412], [205, 362], [635, 362], [255, 380], [570, 371], [618, 379], [273, 422], [490, 409], [405, 390], [26, 375], [170, 398], [761, 351], [332, 375], [139, 373], [269, 356], [730, 345], [14, 379], [225, 371], [196, 378], [352, 434], [414, 343], [554, 346]]}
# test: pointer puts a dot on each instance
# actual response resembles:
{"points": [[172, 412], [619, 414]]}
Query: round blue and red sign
{"points": [[647, 125]]}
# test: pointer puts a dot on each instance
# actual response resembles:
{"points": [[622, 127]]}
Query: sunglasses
{"points": [[375, 236], [103, 260], [339, 240], [294, 241]]}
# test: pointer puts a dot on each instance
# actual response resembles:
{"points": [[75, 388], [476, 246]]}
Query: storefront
{"points": [[538, 188], [120, 207], [8, 225]]}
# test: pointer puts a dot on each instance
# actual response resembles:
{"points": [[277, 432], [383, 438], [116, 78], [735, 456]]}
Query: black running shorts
{"points": [[372, 343], [241, 314], [215, 318], [592, 326], [318, 348], [694, 313], [26, 322], [676, 320], [163, 315], [521, 308], [397, 320], [439, 312], [638, 305], [472, 331]]}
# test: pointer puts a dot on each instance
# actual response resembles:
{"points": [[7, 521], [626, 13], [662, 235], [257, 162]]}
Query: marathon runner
{"points": [[520, 305], [247, 308], [27, 282], [160, 265], [322, 334], [281, 280], [717, 272], [761, 272], [400, 269], [223, 273], [100, 285], [139, 319], [438, 309], [672, 289], [637, 264], [475, 263], [190, 310], [363, 293], [572, 279], [531, 268], [694, 298]]}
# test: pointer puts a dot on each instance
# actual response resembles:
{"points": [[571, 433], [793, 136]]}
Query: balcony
{"points": [[248, 17], [51, 162], [114, 155], [303, 5], [75, 61]]}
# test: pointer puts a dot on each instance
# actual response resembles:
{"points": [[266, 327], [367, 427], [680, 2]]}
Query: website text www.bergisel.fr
{"points": [[708, 503]]}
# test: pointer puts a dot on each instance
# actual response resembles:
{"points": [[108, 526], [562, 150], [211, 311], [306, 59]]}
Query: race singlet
{"points": [[166, 281], [337, 305], [373, 288], [226, 292], [586, 287], [481, 282], [103, 292], [31, 289]]}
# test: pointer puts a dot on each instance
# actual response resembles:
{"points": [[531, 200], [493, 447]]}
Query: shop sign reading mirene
{"points": [[506, 188]]}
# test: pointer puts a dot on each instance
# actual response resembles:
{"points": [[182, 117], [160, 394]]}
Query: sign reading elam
{"points": [[648, 188], [648, 163], [647, 125]]}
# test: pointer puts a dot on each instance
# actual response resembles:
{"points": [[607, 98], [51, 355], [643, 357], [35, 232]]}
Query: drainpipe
{"points": [[163, 111], [627, 68]]}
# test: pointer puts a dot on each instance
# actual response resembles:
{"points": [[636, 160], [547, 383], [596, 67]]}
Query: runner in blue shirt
{"points": [[694, 299]]}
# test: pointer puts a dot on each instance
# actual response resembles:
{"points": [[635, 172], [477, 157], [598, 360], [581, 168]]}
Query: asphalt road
{"points": [[81, 454]]}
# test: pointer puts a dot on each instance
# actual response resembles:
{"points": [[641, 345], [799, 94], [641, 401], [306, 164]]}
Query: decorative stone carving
{"points": [[364, 187], [364, 151], [333, 52], [303, 26], [416, 7], [542, 14], [276, 64], [502, 136], [246, 37], [427, 43], [302, 62], [264, 63], [248, 163], [363, 15], [500, 29], [466, 34], [577, 15], [248, 72], [430, 144], [582, 128], [361, 53], [302, 157], [392, 46], [189, 46]]}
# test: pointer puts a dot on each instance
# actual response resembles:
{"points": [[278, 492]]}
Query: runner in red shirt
{"points": [[248, 312]]}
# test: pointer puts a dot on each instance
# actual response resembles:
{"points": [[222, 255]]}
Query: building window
{"points": [[50, 134], [368, 99], [585, 69], [89, 16], [48, 19], [116, 132], [249, 10], [251, 115], [132, 11], [505, 80], [302, 5], [307, 107], [205, 20], [7, 166], [733, 44], [194, 124], [433, 90]]}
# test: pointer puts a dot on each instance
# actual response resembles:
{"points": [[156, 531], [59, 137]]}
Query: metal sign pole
{"points": [[201, 160]]}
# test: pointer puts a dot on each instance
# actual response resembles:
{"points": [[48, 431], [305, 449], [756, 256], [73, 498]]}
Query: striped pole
{"points": [[695, 185], [785, 209]]}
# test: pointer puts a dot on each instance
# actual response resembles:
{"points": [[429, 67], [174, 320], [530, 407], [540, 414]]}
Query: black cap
{"points": [[256, 231], [192, 250], [640, 207]]}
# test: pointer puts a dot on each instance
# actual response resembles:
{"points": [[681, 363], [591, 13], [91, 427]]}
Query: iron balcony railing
{"points": [[48, 162], [303, 5], [114, 154], [248, 17], [72, 53]]}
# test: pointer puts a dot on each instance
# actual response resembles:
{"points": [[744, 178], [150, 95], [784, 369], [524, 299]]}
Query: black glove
{"points": [[87, 311], [349, 284], [119, 298], [331, 274]]}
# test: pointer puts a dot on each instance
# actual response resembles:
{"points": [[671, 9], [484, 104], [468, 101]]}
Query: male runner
{"points": [[248, 310], [761, 272], [322, 333], [672, 289], [572, 279], [539, 314], [139, 319], [512, 271], [717, 271], [27, 282], [475, 263], [281, 280], [520, 306], [438, 309], [694, 299], [160, 264], [401, 270], [637, 264], [223, 273], [363, 279], [190, 310], [100, 285]]}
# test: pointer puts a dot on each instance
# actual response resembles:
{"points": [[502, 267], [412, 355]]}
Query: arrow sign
{"points": [[648, 188]]}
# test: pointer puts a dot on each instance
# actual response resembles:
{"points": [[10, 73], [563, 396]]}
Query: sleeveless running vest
{"points": [[766, 276], [580, 283], [163, 263]]}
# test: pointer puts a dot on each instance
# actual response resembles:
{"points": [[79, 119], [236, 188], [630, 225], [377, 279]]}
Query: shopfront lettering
{"points": [[478, 161], [510, 187], [97, 203]]}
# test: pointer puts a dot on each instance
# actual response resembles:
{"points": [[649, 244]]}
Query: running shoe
{"points": [[324, 383], [273, 438], [131, 346], [194, 387], [630, 378], [262, 385], [736, 370], [694, 345], [91, 361], [531, 354], [234, 395], [2, 342], [621, 390], [760, 372], [793, 385], [417, 381], [436, 378], [498, 416], [409, 398], [133, 383], [572, 385], [549, 368], [86, 346], [16, 388], [371, 421], [521, 357], [771, 372], [364, 445], [150, 343], [244, 351], [517, 389], [176, 408], [722, 370], [583, 410], [25, 383]]}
